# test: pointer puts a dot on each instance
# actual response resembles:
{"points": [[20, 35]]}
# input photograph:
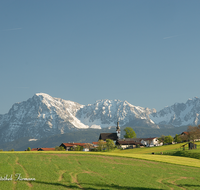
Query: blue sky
{"points": [[145, 52]]}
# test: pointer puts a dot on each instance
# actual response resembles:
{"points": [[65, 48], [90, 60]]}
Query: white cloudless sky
{"points": [[145, 52]]}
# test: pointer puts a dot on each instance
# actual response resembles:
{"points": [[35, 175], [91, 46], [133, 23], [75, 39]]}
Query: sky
{"points": [[144, 52]]}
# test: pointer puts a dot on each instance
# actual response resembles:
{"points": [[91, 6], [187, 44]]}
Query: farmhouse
{"points": [[68, 146], [128, 144], [95, 144], [185, 136], [144, 141]]}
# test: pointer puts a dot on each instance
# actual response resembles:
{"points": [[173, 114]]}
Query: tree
{"points": [[28, 149], [101, 145], [168, 139], [78, 148], [59, 148], [161, 138], [88, 145], [177, 138], [130, 133], [193, 133], [184, 137], [110, 144]]}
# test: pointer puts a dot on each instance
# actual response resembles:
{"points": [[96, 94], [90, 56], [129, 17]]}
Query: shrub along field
{"points": [[70, 170]]}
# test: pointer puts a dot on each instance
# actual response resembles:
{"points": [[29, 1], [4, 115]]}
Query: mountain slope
{"points": [[179, 114], [104, 113], [43, 116], [39, 116]]}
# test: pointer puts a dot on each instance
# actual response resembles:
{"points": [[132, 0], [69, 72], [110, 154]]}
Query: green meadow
{"points": [[128, 169]]}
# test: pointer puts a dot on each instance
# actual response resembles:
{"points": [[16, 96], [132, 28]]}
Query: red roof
{"points": [[47, 149], [95, 142], [72, 144], [34, 149], [185, 133], [68, 144], [80, 144]]}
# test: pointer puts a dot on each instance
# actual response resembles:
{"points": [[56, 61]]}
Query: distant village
{"points": [[115, 138]]}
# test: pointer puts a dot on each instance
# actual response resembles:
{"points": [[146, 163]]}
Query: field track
{"points": [[135, 169]]}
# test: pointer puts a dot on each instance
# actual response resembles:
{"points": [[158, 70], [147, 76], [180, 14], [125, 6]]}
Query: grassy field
{"points": [[119, 169], [157, 149], [87, 171]]}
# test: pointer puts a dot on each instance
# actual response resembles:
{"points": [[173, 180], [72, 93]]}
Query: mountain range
{"points": [[43, 116]]}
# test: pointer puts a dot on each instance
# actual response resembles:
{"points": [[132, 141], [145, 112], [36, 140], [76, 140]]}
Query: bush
{"points": [[59, 148], [137, 146]]}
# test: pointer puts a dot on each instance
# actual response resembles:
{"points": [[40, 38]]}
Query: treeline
{"points": [[192, 134]]}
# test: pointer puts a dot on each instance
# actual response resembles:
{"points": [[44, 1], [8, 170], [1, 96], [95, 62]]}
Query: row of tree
{"points": [[192, 134]]}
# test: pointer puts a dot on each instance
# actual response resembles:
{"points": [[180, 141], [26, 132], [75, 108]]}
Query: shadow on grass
{"points": [[95, 186], [188, 185], [186, 153]]}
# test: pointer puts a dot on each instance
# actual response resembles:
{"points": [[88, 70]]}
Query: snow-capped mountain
{"points": [[104, 113], [43, 116], [39, 116], [179, 114]]}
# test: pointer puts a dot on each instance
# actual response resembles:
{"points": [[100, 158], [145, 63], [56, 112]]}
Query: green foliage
{"points": [[110, 145], [168, 139], [185, 153], [101, 145], [59, 148], [137, 146], [78, 148], [193, 132], [161, 138], [28, 149], [130, 133], [11, 149], [177, 138]]}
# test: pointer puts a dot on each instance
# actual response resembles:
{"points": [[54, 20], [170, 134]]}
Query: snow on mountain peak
{"points": [[179, 114], [107, 112], [43, 115]]}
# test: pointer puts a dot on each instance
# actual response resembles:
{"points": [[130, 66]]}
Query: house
{"points": [[185, 133], [86, 149], [95, 144], [151, 142], [68, 146], [46, 149], [127, 144], [34, 149], [185, 136], [146, 141]]}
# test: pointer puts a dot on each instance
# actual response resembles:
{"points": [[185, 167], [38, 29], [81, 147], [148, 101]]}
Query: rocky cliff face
{"points": [[43, 116], [104, 113], [179, 114], [39, 116]]}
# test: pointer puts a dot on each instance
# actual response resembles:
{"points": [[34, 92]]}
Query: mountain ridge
{"points": [[42, 116]]}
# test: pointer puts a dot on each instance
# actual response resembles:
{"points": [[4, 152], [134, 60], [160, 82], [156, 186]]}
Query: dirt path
{"points": [[26, 173]]}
